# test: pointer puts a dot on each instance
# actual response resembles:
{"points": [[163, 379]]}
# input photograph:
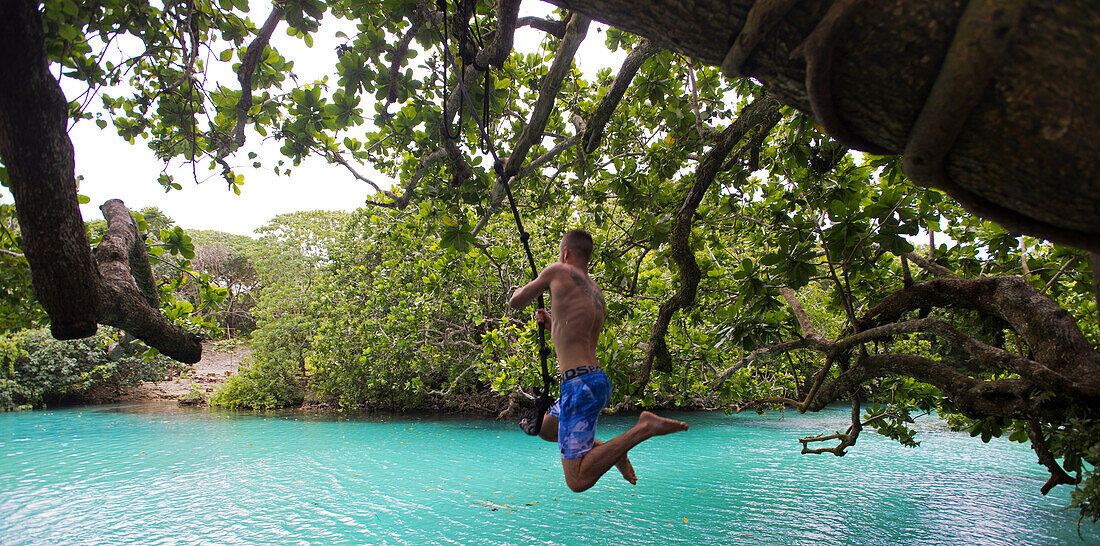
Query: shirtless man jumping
{"points": [[578, 314]]}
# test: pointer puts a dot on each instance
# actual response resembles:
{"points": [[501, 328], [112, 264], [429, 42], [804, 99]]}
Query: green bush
{"points": [[36, 369], [260, 384]]}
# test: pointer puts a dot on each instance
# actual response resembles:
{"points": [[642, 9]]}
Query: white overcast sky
{"points": [[112, 168]]}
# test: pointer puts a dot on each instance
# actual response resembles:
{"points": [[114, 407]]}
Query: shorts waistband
{"points": [[579, 371]]}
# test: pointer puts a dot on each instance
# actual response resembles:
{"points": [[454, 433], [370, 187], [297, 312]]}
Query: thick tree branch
{"points": [[38, 154], [534, 130], [498, 50], [928, 265], [1054, 337], [1062, 362], [1008, 398], [989, 355], [129, 297], [844, 46], [400, 54], [808, 329], [1072, 373], [761, 114], [548, 93], [599, 118], [553, 28], [251, 58]]}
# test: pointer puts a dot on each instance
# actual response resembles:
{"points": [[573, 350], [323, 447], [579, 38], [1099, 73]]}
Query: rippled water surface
{"points": [[157, 474]]}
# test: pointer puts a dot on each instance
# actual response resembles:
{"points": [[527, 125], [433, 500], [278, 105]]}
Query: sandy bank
{"points": [[203, 377]]}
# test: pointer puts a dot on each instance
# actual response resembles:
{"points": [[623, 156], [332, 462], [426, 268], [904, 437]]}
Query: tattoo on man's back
{"points": [[589, 289]]}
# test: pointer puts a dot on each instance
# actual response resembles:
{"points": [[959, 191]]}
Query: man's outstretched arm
{"points": [[528, 292]]}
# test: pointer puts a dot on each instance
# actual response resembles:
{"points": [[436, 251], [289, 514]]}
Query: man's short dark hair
{"points": [[579, 242]]}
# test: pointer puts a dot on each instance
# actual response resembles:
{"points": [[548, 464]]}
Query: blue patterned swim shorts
{"points": [[578, 408]]}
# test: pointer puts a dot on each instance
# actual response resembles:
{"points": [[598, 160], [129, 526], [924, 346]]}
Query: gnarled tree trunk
{"points": [[76, 289], [37, 152]]}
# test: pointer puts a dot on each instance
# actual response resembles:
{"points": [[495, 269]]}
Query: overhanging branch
{"points": [[1052, 334], [548, 93], [1039, 445], [596, 123], [762, 114], [36, 150], [251, 58], [553, 28], [129, 298], [403, 200]]}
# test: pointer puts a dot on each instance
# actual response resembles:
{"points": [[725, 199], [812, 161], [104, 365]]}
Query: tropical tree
{"points": [[292, 259], [226, 261], [719, 210], [18, 307]]}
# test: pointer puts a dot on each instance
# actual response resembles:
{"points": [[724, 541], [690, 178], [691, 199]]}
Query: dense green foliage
{"points": [[259, 384], [405, 301], [225, 261], [289, 260], [36, 370], [18, 307]]}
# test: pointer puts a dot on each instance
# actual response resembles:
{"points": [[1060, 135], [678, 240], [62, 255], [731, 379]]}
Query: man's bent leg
{"points": [[582, 473], [549, 430], [549, 433], [623, 464]]}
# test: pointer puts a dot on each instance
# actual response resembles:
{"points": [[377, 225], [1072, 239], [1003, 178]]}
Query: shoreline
{"points": [[203, 377], [194, 387]]}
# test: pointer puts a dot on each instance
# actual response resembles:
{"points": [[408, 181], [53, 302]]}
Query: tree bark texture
{"points": [[36, 150], [77, 290], [1025, 155], [1062, 359], [129, 298]]}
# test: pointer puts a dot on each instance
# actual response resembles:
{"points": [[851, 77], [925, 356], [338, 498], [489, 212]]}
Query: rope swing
{"points": [[543, 400], [532, 422]]}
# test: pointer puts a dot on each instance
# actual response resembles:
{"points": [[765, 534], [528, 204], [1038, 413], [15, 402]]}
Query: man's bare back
{"points": [[578, 310]]}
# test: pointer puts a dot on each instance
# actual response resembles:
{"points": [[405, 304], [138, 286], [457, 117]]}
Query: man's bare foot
{"points": [[658, 426], [627, 470]]}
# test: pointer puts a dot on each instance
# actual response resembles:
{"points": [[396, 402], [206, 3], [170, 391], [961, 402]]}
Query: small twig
{"points": [[1059, 274], [847, 439]]}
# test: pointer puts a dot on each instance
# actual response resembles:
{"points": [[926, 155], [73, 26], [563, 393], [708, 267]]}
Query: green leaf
{"points": [[770, 259], [837, 209]]}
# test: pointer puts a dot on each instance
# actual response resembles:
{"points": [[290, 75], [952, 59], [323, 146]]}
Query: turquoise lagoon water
{"points": [[158, 474]]}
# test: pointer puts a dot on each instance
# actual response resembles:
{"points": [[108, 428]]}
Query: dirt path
{"points": [[203, 377]]}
